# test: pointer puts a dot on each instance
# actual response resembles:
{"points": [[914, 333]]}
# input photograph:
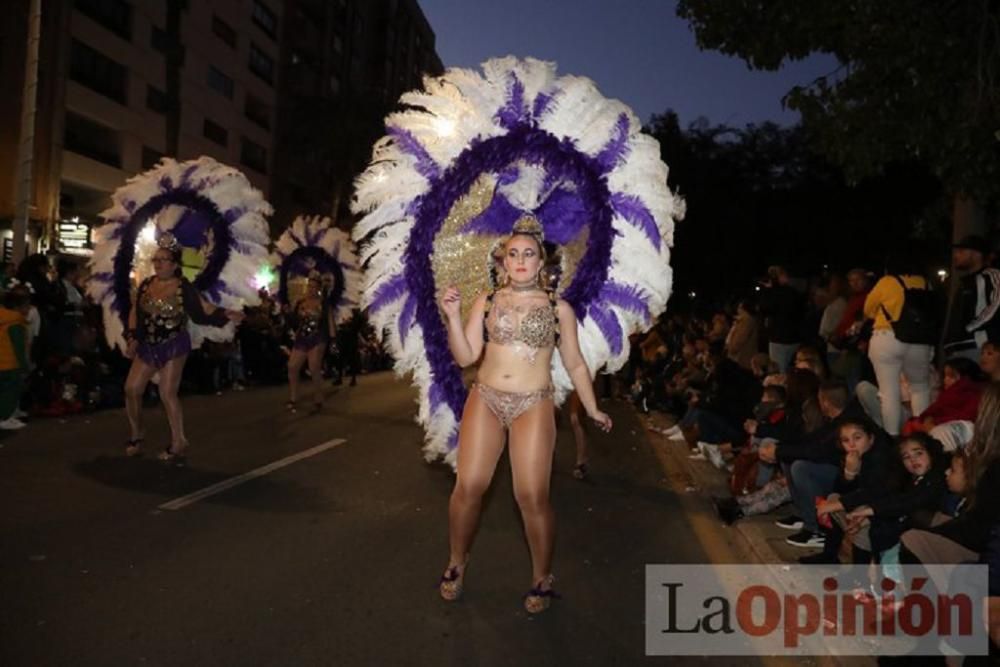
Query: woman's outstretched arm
{"points": [[576, 366]]}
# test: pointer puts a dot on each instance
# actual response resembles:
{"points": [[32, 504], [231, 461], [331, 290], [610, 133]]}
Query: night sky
{"points": [[636, 50]]}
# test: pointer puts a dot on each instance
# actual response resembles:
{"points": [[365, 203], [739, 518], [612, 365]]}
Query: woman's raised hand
{"points": [[451, 302]]}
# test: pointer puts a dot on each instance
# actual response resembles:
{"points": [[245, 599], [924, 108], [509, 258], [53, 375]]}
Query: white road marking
{"points": [[191, 498]]}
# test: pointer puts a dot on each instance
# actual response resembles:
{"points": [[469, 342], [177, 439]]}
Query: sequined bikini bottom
{"points": [[509, 405]]}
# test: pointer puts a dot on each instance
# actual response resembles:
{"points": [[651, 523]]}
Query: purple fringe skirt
{"points": [[158, 354]]}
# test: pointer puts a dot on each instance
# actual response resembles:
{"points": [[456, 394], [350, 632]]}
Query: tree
{"points": [[764, 197], [917, 80]]}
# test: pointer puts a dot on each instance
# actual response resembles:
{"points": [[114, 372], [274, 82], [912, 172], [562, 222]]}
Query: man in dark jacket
{"points": [[783, 309], [973, 317]]}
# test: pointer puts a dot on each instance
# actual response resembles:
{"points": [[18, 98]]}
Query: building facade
{"points": [[344, 65], [122, 83]]}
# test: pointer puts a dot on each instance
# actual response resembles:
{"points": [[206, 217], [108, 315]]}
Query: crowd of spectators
{"points": [[867, 405], [55, 360]]}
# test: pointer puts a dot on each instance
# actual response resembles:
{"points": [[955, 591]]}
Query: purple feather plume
{"points": [[635, 212], [424, 163], [609, 326], [627, 298], [616, 149], [389, 292]]}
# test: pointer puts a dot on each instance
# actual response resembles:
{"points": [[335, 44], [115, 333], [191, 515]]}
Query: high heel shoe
{"points": [[452, 582], [132, 447], [290, 406], [170, 457], [538, 599]]}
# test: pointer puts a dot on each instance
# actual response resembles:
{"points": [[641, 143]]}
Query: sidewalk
{"points": [[758, 533], [751, 540]]}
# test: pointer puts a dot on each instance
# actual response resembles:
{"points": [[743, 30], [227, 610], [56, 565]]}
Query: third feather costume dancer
{"points": [[154, 314], [511, 165], [322, 257]]}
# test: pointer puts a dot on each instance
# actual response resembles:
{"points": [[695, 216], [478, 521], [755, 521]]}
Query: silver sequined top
{"points": [[164, 317]]}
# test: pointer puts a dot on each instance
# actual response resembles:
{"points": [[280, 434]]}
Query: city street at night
{"points": [[332, 559]]}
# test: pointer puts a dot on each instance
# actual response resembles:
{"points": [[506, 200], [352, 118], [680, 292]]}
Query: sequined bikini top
{"points": [[162, 317], [307, 319], [536, 328]]}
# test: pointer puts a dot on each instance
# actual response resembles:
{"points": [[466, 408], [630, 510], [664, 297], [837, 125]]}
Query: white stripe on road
{"points": [[208, 491]]}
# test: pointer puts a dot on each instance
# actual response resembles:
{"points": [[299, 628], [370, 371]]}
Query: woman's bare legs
{"points": [[480, 442], [170, 382], [315, 359], [532, 443], [296, 360], [139, 376]]}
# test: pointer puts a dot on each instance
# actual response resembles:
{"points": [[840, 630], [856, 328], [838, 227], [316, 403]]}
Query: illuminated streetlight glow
{"points": [[264, 277], [148, 233]]}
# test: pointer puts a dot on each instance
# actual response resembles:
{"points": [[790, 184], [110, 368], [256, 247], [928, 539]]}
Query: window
{"points": [[220, 83], [98, 72], [150, 156], [156, 100], [215, 132], [264, 18], [258, 111], [224, 31], [97, 142], [115, 15], [159, 39], [254, 156], [261, 64]]}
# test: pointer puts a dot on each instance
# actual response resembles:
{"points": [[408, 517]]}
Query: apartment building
{"points": [[124, 82], [344, 64]]}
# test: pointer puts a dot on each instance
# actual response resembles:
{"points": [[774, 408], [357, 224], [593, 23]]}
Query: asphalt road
{"points": [[331, 560]]}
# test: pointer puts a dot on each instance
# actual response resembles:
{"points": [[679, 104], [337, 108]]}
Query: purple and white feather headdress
{"points": [[205, 205], [314, 244], [471, 154]]}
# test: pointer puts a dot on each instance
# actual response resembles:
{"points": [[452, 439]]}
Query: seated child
{"points": [[862, 482]]}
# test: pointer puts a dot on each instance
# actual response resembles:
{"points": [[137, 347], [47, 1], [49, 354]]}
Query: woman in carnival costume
{"points": [[314, 247], [521, 156], [200, 205], [158, 342], [312, 327], [515, 330]]}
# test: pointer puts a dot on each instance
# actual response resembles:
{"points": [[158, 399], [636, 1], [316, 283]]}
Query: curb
{"points": [[757, 537]]}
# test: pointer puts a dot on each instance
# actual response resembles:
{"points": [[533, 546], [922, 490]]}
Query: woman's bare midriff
{"points": [[505, 368]]}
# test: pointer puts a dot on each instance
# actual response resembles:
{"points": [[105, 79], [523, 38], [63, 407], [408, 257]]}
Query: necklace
{"points": [[523, 288]]}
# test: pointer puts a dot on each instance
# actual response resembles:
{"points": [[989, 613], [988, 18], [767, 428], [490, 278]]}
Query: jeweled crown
{"points": [[530, 226], [168, 241]]}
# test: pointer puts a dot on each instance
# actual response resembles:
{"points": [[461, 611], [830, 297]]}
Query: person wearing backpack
{"points": [[905, 331]]}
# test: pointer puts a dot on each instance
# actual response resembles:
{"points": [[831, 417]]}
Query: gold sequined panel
{"points": [[463, 259]]}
